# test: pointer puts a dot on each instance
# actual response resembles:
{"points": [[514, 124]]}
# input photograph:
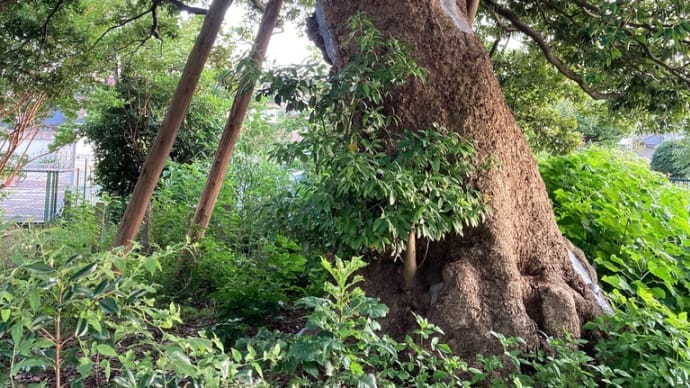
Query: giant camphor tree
{"points": [[514, 274]]}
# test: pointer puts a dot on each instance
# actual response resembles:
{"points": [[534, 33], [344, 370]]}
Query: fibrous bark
{"points": [[512, 274]]}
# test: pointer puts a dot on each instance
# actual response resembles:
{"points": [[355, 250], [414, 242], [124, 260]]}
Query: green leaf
{"points": [[40, 268], [83, 272], [368, 380], [77, 384], [101, 287], [5, 314], [30, 363], [16, 333], [85, 366], [181, 363], [81, 328], [152, 265], [34, 299], [109, 306], [236, 355], [106, 350], [356, 368]]}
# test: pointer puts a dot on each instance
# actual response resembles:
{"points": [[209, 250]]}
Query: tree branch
{"points": [[188, 8], [47, 22], [676, 71], [154, 24], [472, 8], [259, 5], [547, 50], [494, 46], [121, 24]]}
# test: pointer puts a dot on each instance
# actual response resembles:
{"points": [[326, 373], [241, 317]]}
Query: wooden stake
{"points": [[231, 132], [160, 150]]}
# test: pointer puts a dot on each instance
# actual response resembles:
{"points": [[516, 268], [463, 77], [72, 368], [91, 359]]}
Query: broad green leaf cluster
{"points": [[370, 183], [634, 225], [630, 221]]}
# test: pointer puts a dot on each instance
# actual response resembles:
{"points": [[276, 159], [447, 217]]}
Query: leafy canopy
{"points": [[632, 53]]}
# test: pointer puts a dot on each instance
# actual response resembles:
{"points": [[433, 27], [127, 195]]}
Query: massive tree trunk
{"points": [[513, 274]]}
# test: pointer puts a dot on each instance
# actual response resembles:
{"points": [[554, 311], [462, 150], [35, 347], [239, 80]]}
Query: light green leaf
{"points": [[106, 350]]}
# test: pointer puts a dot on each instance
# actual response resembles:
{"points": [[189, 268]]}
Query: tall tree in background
{"points": [[513, 274], [126, 114], [38, 72], [52, 51]]}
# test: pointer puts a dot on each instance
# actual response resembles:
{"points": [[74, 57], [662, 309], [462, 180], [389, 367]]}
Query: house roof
{"points": [[650, 140], [54, 119]]}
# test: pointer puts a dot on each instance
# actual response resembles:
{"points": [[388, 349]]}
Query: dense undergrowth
{"points": [[270, 303], [99, 316]]}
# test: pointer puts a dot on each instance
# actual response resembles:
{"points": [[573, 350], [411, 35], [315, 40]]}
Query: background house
{"points": [[38, 194], [645, 144]]}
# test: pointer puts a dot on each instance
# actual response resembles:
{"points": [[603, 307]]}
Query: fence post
{"points": [[49, 197], [100, 225]]}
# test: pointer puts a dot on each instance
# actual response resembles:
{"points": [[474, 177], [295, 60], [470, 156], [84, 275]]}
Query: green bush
{"points": [[254, 287], [124, 120], [244, 267], [634, 224], [629, 220], [665, 159], [95, 314], [245, 212], [682, 158], [645, 343], [341, 344]]}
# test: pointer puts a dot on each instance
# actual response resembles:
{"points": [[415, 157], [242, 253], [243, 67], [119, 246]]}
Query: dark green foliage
{"points": [[342, 346], [665, 159], [682, 157], [61, 309], [244, 266], [253, 287], [123, 122]]}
